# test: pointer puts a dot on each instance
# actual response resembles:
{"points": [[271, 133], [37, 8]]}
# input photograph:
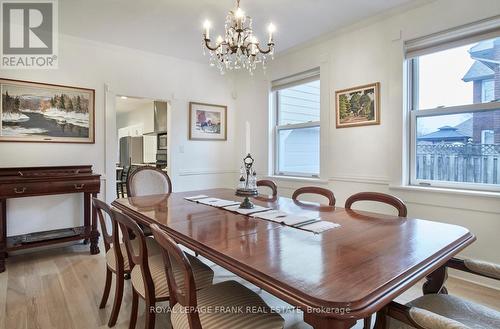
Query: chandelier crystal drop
{"points": [[239, 48]]}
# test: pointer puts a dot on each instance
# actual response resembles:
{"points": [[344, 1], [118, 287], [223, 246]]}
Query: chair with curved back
{"points": [[186, 299], [122, 182], [377, 197], [145, 181], [270, 184], [116, 258], [315, 190], [440, 310], [148, 181], [148, 276]]}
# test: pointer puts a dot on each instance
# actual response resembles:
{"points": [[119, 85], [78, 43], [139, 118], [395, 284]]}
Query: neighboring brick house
{"points": [[485, 76]]}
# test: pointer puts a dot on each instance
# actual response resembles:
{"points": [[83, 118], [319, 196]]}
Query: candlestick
{"points": [[247, 137], [206, 25]]}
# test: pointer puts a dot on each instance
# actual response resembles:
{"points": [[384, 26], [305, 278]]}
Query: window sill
{"points": [[299, 179], [441, 190]]}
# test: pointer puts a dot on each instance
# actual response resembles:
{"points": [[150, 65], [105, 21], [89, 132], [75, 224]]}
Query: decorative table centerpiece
{"points": [[248, 182]]}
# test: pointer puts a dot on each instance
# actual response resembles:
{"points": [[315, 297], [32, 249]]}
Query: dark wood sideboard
{"points": [[39, 181]]}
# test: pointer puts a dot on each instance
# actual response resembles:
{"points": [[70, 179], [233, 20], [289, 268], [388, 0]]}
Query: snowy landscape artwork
{"points": [[36, 112]]}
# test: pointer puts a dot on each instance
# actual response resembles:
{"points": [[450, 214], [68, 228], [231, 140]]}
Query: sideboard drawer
{"points": [[47, 188]]}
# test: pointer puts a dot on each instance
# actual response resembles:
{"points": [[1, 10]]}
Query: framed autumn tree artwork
{"points": [[40, 112], [358, 106]]}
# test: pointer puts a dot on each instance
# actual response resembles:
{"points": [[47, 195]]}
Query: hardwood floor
{"points": [[62, 287]]}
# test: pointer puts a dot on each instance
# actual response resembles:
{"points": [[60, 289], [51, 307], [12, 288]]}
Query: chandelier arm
{"points": [[207, 44], [270, 47]]}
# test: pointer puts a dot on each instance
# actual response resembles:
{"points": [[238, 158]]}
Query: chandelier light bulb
{"points": [[207, 25], [239, 13], [219, 40], [271, 28]]}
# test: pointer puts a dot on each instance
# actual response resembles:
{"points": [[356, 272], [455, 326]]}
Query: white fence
{"points": [[472, 163]]}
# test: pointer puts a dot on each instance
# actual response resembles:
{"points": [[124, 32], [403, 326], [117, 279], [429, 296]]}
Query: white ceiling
{"points": [[131, 104], [174, 27]]}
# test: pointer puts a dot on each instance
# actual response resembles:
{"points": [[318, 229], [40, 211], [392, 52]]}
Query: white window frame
{"points": [[483, 135], [415, 113], [466, 34], [298, 79], [483, 84]]}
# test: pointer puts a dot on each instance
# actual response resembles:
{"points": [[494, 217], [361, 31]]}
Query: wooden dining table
{"points": [[335, 277]]}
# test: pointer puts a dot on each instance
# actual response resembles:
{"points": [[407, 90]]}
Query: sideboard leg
{"points": [[3, 233], [94, 233], [434, 283]]}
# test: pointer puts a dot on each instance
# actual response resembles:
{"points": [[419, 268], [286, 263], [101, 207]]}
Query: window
{"points": [[487, 137], [296, 104], [487, 90], [454, 112]]}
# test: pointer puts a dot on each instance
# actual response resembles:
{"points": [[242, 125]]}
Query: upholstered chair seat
{"points": [[223, 305], [484, 268], [441, 311], [153, 249], [229, 295], [203, 276]]}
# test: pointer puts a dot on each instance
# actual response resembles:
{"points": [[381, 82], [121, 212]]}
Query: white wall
{"points": [[370, 158], [130, 72]]}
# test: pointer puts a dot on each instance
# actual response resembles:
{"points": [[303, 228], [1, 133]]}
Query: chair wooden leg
{"points": [[367, 322], [107, 288], [118, 299], [133, 310], [149, 315]]}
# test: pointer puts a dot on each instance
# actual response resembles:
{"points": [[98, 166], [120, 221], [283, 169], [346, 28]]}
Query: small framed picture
{"points": [[42, 112], [358, 106], [207, 122]]}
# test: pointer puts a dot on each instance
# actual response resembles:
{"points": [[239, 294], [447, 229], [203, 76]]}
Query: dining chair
{"points": [[315, 190], [122, 182], [148, 181], [148, 277], [438, 311], [145, 181], [378, 197], [270, 184], [117, 261], [186, 299]]}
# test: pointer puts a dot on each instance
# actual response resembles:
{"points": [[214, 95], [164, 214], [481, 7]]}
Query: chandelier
{"points": [[239, 48]]}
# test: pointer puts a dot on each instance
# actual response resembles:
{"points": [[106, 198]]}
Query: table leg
{"points": [[434, 283], [319, 322], [3, 233], [94, 233]]}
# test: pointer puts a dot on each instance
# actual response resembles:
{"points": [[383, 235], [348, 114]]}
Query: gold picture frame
{"points": [[207, 122], [46, 113], [358, 106]]}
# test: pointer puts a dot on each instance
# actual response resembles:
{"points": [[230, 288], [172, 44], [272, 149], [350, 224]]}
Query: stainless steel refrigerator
{"points": [[131, 150]]}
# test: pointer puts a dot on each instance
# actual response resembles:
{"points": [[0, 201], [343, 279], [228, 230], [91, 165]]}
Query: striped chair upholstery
{"points": [[148, 272], [203, 276], [153, 249], [223, 305], [229, 295]]}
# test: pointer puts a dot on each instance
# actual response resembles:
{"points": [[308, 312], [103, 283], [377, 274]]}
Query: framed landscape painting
{"points": [[40, 112], [359, 106], [207, 122]]}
